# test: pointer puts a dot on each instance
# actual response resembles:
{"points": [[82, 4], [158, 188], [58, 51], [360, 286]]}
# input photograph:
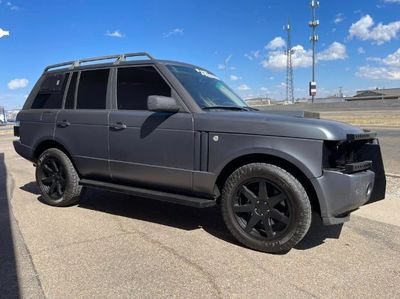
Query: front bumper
{"points": [[340, 193]]}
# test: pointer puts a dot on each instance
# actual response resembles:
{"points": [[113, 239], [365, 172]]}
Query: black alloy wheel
{"points": [[57, 178], [262, 209], [265, 207], [53, 177]]}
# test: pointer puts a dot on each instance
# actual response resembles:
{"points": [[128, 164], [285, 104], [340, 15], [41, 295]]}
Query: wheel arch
{"points": [[290, 167], [51, 143]]}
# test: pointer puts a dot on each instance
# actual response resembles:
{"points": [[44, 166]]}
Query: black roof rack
{"points": [[118, 58]]}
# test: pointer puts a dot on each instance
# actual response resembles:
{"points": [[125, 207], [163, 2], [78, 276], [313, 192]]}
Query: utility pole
{"points": [[289, 66], [314, 38]]}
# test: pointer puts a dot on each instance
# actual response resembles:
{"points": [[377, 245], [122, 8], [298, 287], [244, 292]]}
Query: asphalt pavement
{"points": [[389, 139], [113, 245]]}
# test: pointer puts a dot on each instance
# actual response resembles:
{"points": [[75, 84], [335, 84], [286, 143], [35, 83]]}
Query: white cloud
{"points": [[336, 51], [252, 55], [391, 1], [276, 60], [388, 68], [392, 59], [115, 33], [277, 43], [339, 18], [4, 33], [9, 5], [176, 31], [302, 58], [234, 78], [248, 56], [378, 73], [265, 89], [364, 29], [360, 50], [17, 83], [221, 67], [243, 87]]}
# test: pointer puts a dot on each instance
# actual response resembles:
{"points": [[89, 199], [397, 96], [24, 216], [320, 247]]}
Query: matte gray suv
{"points": [[175, 132]]}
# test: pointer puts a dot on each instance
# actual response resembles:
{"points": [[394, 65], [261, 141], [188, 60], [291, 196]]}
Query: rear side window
{"points": [[92, 90], [51, 92], [70, 100], [135, 84]]}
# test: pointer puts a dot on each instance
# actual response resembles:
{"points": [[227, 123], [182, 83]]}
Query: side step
{"points": [[185, 200]]}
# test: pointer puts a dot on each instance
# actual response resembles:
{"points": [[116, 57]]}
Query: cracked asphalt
{"points": [[113, 245]]}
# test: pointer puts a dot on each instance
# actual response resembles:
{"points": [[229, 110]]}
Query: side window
{"points": [[135, 84], [70, 100], [51, 92], [92, 89]]}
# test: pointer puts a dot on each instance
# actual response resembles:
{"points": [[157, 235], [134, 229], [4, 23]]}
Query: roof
{"points": [[118, 59], [389, 92]]}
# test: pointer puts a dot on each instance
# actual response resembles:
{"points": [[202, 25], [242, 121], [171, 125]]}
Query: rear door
{"points": [[82, 126], [38, 120], [152, 149]]}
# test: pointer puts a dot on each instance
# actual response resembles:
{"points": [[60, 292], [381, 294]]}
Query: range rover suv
{"points": [[175, 132]]}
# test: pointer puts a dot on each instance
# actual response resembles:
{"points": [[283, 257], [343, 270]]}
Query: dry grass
{"points": [[6, 130], [365, 118]]}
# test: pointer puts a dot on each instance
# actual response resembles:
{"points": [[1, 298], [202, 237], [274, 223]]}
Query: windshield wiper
{"points": [[238, 108]]}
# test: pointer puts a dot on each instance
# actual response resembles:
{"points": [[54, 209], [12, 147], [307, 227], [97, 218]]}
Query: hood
{"points": [[264, 123]]}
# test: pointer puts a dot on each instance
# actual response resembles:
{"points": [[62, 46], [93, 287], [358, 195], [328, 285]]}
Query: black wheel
{"points": [[57, 179], [265, 208]]}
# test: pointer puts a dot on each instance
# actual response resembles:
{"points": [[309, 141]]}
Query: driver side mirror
{"points": [[162, 104]]}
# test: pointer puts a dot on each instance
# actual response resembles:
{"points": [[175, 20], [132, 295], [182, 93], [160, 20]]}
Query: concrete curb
{"points": [[26, 287]]}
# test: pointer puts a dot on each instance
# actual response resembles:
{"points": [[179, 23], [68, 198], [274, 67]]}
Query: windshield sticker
{"points": [[207, 74]]}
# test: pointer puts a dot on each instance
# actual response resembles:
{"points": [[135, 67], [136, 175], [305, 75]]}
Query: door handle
{"points": [[118, 126], [63, 124]]}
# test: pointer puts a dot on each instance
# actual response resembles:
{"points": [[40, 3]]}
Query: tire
{"points": [[265, 208], [57, 179]]}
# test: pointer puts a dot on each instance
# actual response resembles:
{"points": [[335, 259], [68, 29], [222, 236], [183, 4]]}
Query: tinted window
{"points": [[92, 89], [69, 101], [136, 84], [51, 92]]}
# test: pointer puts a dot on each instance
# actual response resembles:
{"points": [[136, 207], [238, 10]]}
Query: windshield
{"points": [[206, 88]]}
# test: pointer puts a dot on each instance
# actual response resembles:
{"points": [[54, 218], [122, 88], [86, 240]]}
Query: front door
{"points": [[150, 149]]}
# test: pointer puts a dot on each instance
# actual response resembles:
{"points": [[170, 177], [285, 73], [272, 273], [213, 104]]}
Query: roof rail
{"points": [[118, 58]]}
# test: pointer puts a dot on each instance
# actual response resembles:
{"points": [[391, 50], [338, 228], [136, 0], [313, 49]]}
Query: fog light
{"points": [[369, 190]]}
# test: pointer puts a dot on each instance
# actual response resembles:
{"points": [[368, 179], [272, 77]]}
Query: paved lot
{"points": [[112, 245]]}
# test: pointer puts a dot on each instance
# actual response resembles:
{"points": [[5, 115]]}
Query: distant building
{"points": [[2, 115], [259, 101], [11, 115], [376, 94]]}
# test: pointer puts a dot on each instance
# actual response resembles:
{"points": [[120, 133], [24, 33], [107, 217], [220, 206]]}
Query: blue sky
{"points": [[358, 44]]}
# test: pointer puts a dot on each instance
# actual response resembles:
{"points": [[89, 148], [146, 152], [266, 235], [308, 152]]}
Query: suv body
{"points": [[175, 132]]}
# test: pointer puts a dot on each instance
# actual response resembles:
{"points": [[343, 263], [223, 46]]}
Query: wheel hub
{"points": [[262, 207]]}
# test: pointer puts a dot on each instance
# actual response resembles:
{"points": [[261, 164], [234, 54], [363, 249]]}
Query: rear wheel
{"points": [[265, 207], [57, 179]]}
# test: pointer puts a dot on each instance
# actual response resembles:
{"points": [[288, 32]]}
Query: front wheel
{"points": [[265, 207], [57, 179]]}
